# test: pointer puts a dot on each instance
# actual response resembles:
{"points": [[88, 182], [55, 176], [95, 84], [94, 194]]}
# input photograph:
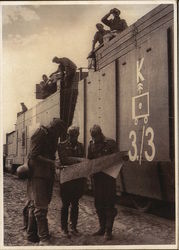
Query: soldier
{"points": [[40, 184], [48, 85], [104, 185], [67, 68], [98, 37], [70, 191], [24, 109], [116, 24]]}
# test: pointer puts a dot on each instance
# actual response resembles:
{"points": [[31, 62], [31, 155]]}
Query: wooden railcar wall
{"points": [[135, 35]]}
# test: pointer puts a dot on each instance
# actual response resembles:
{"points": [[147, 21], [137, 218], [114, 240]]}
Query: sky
{"points": [[33, 34]]}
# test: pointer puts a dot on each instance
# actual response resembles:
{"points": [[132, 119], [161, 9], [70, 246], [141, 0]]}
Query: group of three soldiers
{"points": [[42, 165]]}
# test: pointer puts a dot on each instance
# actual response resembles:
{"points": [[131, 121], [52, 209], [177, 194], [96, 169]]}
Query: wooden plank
{"points": [[140, 25], [146, 32], [88, 167], [103, 62]]}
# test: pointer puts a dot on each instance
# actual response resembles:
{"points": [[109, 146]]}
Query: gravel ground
{"points": [[130, 228]]}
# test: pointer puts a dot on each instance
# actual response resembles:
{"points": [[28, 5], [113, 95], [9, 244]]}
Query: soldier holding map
{"points": [[70, 191], [104, 184]]}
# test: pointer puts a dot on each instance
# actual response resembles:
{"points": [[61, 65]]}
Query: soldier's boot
{"points": [[102, 224], [64, 221], [111, 214], [25, 213], [42, 226], [32, 226], [74, 218]]}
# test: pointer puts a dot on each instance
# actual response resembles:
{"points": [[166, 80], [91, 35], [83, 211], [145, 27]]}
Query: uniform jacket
{"points": [[65, 149], [98, 37], [42, 144], [67, 65], [106, 147], [115, 24]]}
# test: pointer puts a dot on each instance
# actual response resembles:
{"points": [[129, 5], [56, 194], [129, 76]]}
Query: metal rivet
{"points": [[149, 49]]}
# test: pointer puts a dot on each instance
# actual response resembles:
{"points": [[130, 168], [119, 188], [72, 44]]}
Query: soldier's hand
{"points": [[111, 11], [56, 164]]}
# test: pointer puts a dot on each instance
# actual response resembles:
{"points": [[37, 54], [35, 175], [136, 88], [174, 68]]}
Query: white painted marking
{"points": [[134, 116], [139, 74], [142, 143]]}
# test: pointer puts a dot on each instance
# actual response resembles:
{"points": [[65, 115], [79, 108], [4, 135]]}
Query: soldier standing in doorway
{"points": [[40, 184], [71, 191], [104, 185]]}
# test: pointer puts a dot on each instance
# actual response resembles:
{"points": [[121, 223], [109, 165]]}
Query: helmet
{"points": [[57, 122], [115, 10], [73, 130], [23, 171], [55, 59], [99, 25], [95, 130]]}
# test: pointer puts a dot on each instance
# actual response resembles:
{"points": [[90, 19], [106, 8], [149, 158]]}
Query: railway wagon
{"points": [[18, 141], [130, 94]]}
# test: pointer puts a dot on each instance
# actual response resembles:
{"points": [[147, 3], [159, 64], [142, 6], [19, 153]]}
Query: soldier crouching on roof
{"points": [[104, 185], [40, 184], [73, 190]]}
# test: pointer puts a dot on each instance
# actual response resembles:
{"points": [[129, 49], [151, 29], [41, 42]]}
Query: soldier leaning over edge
{"points": [[104, 184], [71, 191], [67, 68]]}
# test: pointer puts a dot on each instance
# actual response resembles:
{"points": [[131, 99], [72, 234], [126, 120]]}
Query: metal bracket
{"points": [[135, 32]]}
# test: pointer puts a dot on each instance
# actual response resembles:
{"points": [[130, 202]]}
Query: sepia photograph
{"points": [[89, 125]]}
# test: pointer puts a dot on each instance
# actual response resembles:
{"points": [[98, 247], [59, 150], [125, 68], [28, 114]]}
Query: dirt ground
{"points": [[130, 228]]}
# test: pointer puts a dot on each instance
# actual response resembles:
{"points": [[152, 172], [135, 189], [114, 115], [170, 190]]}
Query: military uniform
{"points": [[98, 37], [70, 69], [115, 24], [70, 191], [40, 184], [104, 186]]}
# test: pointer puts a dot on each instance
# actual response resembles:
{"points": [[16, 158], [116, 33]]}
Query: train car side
{"points": [[18, 141], [130, 94]]}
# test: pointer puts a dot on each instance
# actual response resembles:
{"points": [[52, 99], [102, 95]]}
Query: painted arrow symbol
{"points": [[140, 87]]}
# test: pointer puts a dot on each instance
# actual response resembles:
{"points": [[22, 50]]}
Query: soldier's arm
{"points": [[90, 154], [94, 41], [37, 141], [124, 24], [45, 160], [57, 71], [113, 146], [105, 19], [63, 156], [81, 152]]}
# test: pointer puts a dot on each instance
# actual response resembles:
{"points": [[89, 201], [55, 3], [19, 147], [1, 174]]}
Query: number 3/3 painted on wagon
{"points": [[149, 157], [150, 131], [134, 156]]}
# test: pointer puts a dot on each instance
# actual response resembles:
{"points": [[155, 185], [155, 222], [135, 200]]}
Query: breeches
{"points": [[71, 192], [104, 191], [40, 191]]}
